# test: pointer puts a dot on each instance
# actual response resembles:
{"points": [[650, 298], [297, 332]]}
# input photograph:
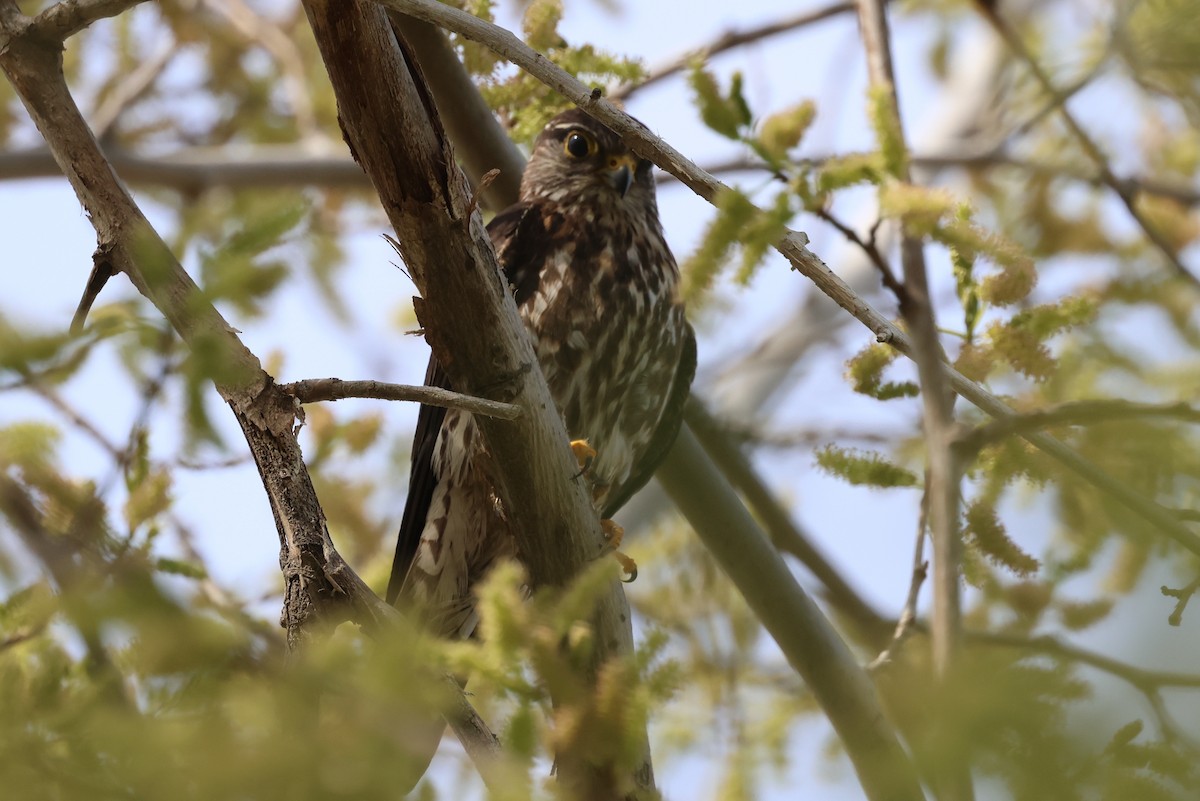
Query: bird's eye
{"points": [[579, 145]]}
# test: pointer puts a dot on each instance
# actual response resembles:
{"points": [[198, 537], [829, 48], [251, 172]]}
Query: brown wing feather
{"points": [[518, 235], [664, 435]]}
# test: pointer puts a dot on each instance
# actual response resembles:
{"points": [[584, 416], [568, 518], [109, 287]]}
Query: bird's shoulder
{"points": [[524, 236]]}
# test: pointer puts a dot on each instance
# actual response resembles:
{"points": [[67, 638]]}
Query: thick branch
{"points": [[471, 321], [785, 535], [811, 646], [314, 390]]}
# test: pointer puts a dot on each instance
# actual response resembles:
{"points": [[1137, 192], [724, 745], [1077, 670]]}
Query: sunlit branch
{"points": [[1121, 188], [314, 390], [728, 41]]}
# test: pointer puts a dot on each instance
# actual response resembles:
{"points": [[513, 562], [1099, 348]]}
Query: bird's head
{"points": [[576, 159]]}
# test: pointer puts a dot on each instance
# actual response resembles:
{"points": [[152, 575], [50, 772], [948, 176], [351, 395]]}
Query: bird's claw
{"points": [[585, 454], [614, 533]]}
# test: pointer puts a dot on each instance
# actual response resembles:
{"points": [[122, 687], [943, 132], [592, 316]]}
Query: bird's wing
{"points": [[668, 427], [516, 234], [421, 481]]}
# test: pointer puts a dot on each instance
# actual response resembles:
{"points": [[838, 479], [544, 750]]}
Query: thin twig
{"points": [[728, 41], [1178, 191], [908, 614], [315, 390], [1182, 596], [870, 250], [197, 169], [1122, 189]]}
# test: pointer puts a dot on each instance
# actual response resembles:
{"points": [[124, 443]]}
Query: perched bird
{"points": [[595, 282]]}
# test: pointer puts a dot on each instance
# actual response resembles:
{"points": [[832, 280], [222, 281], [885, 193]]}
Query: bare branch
{"points": [[392, 125], [906, 624], [784, 533], [1182, 596], [1075, 413], [195, 170], [728, 41], [315, 390], [68, 17], [942, 479], [1122, 189]]}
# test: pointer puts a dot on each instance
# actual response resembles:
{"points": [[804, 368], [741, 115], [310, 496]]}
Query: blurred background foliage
{"points": [[129, 669]]}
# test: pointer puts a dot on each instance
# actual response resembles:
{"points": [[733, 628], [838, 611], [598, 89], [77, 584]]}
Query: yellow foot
{"points": [[615, 534], [584, 453]]}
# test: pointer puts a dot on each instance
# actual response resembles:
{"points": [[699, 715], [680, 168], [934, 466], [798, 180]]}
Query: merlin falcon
{"points": [[596, 285]]}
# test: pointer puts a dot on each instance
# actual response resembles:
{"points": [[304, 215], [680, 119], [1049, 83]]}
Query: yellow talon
{"points": [[614, 533], [584, 453]]}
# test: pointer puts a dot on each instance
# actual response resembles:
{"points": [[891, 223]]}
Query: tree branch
{"points": [[942, 481], [315, 390], [68, 17], [393, 128], [1182, 596], [1075, 413], [811, 646], [728, 41], [194, 170], [784, 534], [319, 585], [1122, 190]]}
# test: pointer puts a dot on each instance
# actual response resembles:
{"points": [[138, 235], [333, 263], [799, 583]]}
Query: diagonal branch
{"points": [[1120, 188], [320, 586], [792, 246], [1075, 413], [728, 41], [393, 128]]}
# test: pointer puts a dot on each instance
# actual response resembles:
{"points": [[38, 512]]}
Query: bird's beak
{"points": [[620, 172]]}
